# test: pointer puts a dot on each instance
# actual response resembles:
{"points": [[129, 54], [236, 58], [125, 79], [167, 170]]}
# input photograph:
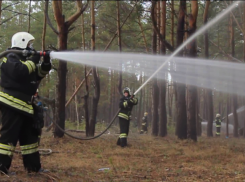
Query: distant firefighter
{"points": [[126, 105], [144, 124], [218, 124]]}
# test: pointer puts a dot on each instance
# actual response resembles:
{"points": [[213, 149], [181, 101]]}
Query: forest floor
{"points": [[146, 159]]}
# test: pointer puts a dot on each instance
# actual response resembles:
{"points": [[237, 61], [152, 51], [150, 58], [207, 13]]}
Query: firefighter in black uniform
{"points": [[218, 124], [126, 105], [21, 120], [144, 124]]}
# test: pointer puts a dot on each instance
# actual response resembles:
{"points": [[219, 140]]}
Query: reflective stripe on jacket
{"points": [[126, 105], [20, 79]]}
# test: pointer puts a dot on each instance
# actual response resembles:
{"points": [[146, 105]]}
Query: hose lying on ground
{"points": [[90, 138]]}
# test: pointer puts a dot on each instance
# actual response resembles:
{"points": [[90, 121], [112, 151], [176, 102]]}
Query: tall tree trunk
{"points": [[181, 119], [232, 43], [61, 87], [111, 94], [29, 18], [96, 96], [119, 88], [46, 80], [210, 117], [172, 23], [170, 98], [62, 32], [243, 59], [44, 25], [76, 103], [155, 92], [83, 30], [192, 90], [159, 25], [198, 123], [162, 83], [0, 13], [85, 105], [227, 118]]}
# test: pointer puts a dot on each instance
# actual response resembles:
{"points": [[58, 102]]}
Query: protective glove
{"points": [[35, 58], [130, 103], [131, 100], [46, 58]]}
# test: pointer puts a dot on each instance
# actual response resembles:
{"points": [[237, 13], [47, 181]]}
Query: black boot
{"points": [[3, 170], [118, 141], [123, 142]]}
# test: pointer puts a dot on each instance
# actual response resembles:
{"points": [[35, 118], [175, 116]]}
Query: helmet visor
{"points": [[30, 44]]}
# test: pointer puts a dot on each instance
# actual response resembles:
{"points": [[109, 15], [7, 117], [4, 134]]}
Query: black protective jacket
{"points": [[218, 123], [20, 79], [126, 105]]}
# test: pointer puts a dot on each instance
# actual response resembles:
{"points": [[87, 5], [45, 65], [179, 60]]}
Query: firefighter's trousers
{"points": [[217, 131], [18, 127], [143, 128], [124, 129]]}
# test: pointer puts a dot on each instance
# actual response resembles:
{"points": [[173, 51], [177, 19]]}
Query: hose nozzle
{"points": [[28, 53], [44, 53]]}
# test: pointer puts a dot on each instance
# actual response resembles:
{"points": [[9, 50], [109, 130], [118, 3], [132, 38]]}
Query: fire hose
{"points": [[25, 53]]}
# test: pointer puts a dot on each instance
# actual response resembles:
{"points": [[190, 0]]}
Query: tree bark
{"points": [[0, 13], [172, 23], [61, 87], [76, 104], [192, 90], [29, 18], [63, 30], [198, 122], [96, 96], [232, 43], [155, 92], [162, 83], [119, 87], [227, 118], [244, 59], [181, 119], [85, 105], [210, 115], [44, 25]]}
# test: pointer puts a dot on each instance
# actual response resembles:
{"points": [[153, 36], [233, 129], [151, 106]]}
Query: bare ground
{"points": [[146, 159]]}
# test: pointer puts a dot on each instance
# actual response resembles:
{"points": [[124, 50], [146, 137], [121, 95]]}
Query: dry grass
{"points": [[146, 159]]}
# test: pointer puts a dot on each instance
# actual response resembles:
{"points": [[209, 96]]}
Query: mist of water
{"points": [[219, 75]]}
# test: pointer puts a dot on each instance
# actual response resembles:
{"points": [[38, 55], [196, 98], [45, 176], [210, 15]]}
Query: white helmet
{"points": [[21, 40], [126, 89], [217, 115]]}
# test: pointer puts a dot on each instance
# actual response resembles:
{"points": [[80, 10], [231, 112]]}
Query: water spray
{"points": [[200, 31], [67, 56]]}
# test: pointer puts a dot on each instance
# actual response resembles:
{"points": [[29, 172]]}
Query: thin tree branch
{"points": [[74, 17], [21, 14], [108, 45], [168, 46], [225, 54], [57, 12], [237, 23], [4, 21], [48, 19], [10, 5]]}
